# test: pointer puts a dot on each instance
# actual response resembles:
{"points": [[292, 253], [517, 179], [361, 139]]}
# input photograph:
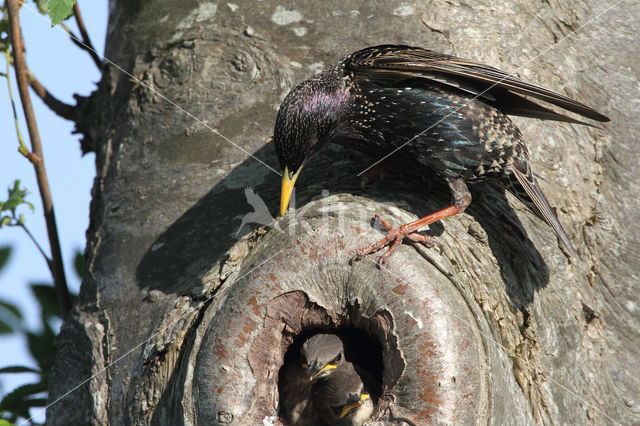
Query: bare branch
{"points": [[57, 269], [62, 109], [38, 246], [86, 41]]}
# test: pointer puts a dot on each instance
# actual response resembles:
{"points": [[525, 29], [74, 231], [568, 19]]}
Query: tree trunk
{"points": [[181, 321]]}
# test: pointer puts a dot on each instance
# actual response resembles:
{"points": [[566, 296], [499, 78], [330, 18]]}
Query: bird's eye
{"points": [[337, 359]]}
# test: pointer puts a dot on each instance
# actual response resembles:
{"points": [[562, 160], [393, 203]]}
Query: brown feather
{"points": [[533, 190], [413, 62]]}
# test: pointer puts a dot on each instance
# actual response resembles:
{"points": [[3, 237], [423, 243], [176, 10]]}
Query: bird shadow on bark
{"points": [[188, 248], [203, 235], [522, 267], [180, 258]]}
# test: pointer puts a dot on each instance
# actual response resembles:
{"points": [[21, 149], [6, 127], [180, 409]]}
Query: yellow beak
{"points": [[347, 408], [325, 368], [288, 180]]}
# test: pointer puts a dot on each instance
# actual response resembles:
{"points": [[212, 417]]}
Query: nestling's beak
{"points": [[288, 180], [325, 368], [347, 408]]}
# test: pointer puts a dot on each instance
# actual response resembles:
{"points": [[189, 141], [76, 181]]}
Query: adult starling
{"points": [[338, 399], [424, 112]]}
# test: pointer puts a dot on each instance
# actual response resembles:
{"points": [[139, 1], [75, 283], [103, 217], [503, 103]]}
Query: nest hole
{"points": [[369, 344], [360, 348]]}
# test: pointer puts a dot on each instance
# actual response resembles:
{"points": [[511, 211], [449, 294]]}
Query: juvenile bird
{"points": [[422, 112], [320, 356], [338, 399]]}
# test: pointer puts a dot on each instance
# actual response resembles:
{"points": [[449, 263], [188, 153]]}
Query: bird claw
{"points": [[394, 237], [425, 240]]}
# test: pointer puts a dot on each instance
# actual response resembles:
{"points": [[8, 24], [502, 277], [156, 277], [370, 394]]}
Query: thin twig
{"points": [[22, 148], [65, 111], [46, 258], [72, 36], [20, 67], [86, 41]]}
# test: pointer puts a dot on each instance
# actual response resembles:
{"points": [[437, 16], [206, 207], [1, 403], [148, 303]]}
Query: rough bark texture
{"points": [[501, 327]]}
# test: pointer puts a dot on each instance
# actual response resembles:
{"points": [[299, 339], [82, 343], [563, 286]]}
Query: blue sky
{"points": [[64, 70]]}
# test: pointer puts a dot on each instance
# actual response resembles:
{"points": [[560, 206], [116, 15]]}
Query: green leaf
{"points": [[5, 252], [19, 369], [41, 347], [5, 40], [4, 422], [4, 25], [16, 187], [5, 328], [16, 198], [59, 10], [19, 406], [13, 202], [5, 220], [78, 263], [17, 397], [43, 8], [48, 300], [4, 305], [10, 317]]}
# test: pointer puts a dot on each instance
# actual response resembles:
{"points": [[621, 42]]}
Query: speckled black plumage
{"points": [[423, 111]]}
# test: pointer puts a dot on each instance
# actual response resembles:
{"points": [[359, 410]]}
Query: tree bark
{"points": [[181, 321]]}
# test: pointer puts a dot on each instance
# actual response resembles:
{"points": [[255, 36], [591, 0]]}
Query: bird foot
{"points": [[395, 237]]}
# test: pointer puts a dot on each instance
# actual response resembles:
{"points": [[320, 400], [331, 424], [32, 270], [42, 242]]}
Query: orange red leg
{"points": [[461, 199]]}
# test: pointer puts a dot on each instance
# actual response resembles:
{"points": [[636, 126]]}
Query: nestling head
{"points": [[321, 355]]}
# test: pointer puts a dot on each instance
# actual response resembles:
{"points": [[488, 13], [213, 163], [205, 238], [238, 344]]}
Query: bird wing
{"points": [[525, 177], [391, 63]]}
